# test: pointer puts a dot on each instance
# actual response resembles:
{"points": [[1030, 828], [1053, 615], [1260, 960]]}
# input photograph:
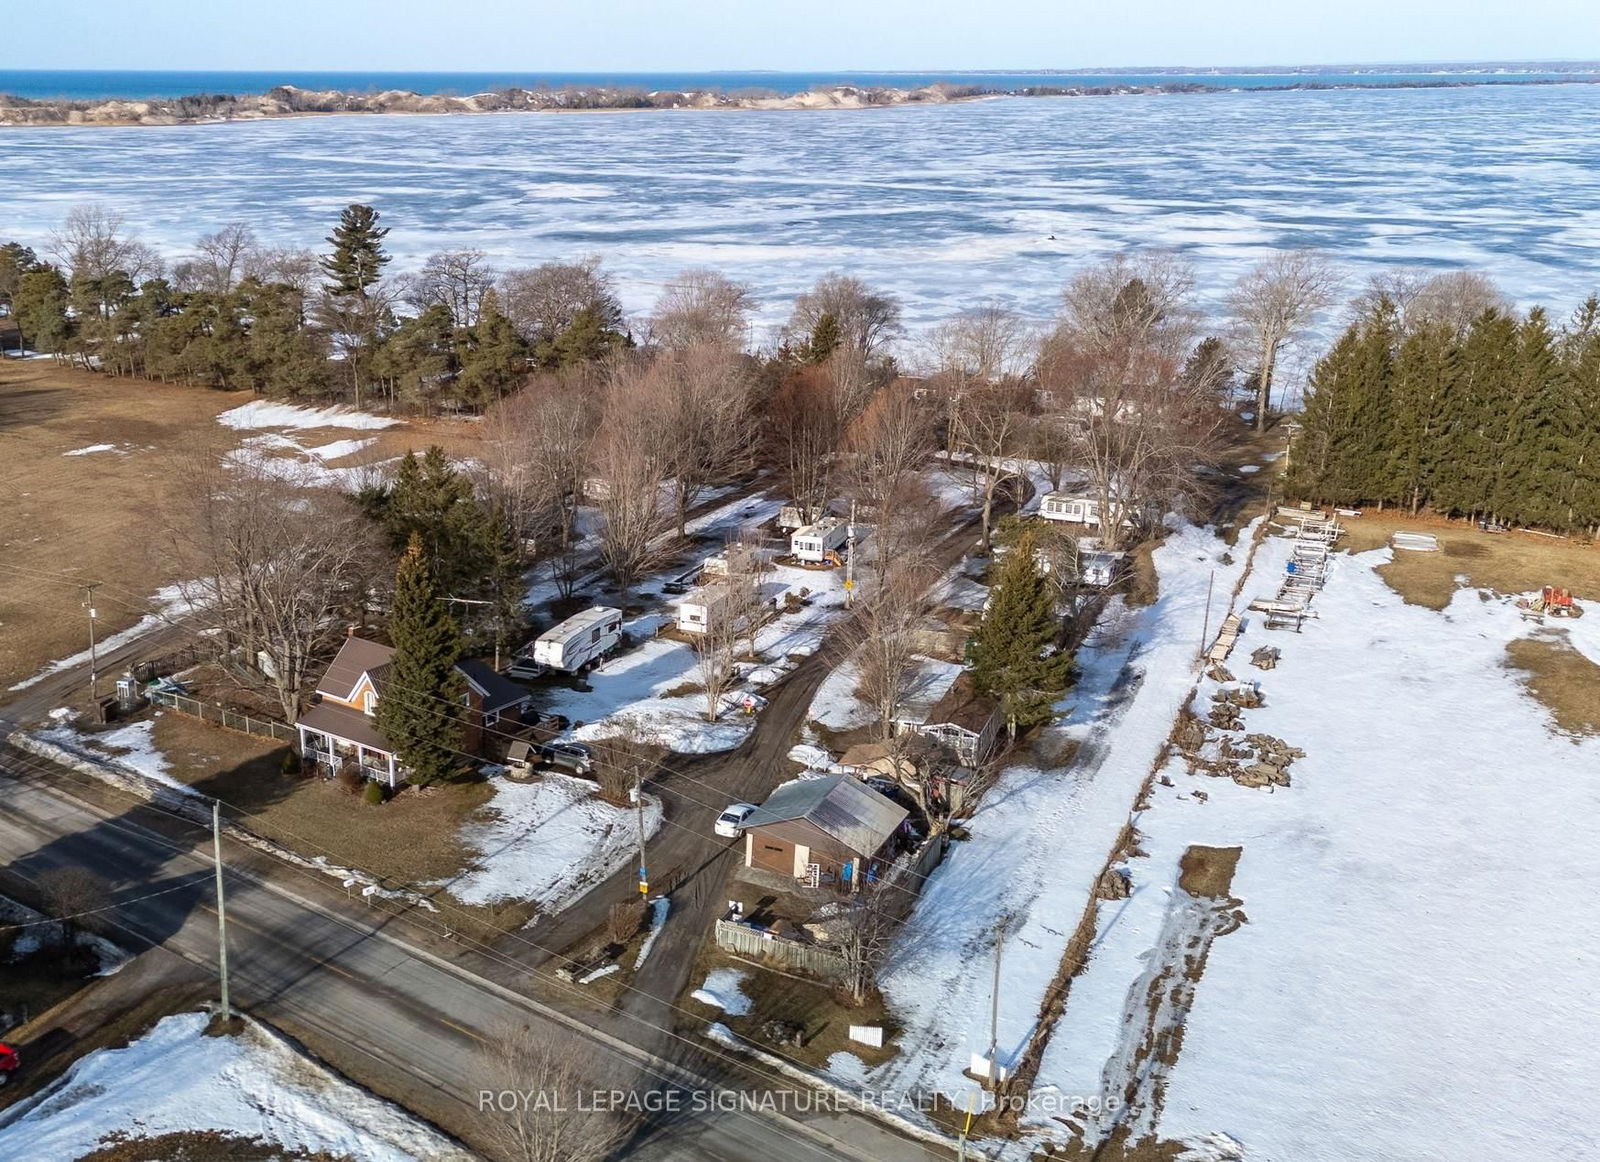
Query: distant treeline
{"points": [[1495, 418]]}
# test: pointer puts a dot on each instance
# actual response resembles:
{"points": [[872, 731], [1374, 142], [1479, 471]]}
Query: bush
{"points": [[373, 794], [350, 779], [291, 762]]}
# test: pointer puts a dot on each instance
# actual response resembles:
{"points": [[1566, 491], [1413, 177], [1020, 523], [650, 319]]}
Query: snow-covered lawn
{"points": [[252, 1085], [260, 414], [1041, 835], [548, 841], [132, 746], [1415, 977]]}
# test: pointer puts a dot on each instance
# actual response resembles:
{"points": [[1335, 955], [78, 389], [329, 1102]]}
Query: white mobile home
{"points": [[580, 640], [737, 560], [814, 542], [1084, 508]]}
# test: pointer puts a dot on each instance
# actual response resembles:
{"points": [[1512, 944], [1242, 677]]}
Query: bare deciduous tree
{"points": [[801, 433], [543, 301], [1135, 302], [992, 425], [68, 892], [537, 1097], [94, 244], [887, 444], [866, 319], [702, 307], [701, 397], [276, 567], [632, 468], [221, 260], [733, 614], [1273, 304], [865, 932], [884, 629], [455, 279], [536, 450]]}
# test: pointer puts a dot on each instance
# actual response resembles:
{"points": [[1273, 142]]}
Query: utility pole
{"points": [[222, 908], [994, 1005], [1205, 629], [638, 804], [88, 603], [850, 558]]}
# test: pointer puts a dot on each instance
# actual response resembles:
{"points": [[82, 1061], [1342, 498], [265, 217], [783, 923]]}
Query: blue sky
{"points": [[643, 35]]}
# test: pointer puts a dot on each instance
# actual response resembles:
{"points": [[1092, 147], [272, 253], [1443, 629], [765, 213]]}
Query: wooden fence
{"points": [[759, 945], [222, 716]]}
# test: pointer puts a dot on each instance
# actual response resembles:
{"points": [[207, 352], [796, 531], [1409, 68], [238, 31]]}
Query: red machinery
{"points": [[9, 1062]]}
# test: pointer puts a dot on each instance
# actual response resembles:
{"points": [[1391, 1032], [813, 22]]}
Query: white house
{"points": [[1081, 506], [814, 542]]}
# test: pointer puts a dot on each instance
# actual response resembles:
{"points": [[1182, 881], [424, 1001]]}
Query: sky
{"points": [[710, 35]]}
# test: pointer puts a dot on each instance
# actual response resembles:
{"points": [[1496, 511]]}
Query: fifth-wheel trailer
{"points": [[580, 640]]}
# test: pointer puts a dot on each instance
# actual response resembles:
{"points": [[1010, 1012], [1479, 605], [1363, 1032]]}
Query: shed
{"points": [[828, 830]]}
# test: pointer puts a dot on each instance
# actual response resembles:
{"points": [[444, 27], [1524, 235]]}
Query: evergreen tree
{"points": [[589, 338], [16, 260], [431, 500], [418, 361], [494, 358], [419, 709], [40, 306], [1426, 375], [358, 256], [825, 338], [1014, 653]]}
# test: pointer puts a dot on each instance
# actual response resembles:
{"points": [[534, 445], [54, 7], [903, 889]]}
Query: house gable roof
{"points": [[357, 656], [963, 706], [496, 691], [847, 811]]}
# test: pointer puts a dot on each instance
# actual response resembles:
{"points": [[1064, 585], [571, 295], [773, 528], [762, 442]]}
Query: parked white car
{"points": [[730, 824]]}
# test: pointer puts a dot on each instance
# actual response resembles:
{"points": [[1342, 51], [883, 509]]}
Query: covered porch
{"points": [[335, 738]]}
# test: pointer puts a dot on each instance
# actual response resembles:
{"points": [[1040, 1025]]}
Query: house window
{"points": [[369, 703], [492, 718]]}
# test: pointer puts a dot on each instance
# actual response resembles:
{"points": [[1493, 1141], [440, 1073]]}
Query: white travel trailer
{"points": [[699, 606], [1100, 567], [1084, 509], [579, 641], [814, 542]]}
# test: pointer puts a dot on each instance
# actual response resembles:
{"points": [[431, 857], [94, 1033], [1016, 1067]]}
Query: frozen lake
{"points": [[944, 206]]}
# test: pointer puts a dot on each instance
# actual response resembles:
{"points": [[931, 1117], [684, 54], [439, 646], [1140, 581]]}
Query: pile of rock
{"points": [[1212, 748], [1228, 702], [1265, 658]]}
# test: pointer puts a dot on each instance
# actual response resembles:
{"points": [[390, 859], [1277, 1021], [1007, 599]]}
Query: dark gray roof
{"points": [[343, 722], [356, 656], [497, 692], [849, 811]]}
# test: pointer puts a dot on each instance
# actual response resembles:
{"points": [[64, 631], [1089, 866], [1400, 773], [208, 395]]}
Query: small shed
{"points": [[833, 830]]}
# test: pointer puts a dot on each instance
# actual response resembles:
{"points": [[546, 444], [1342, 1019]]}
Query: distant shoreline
{"points": [[287, 101]]}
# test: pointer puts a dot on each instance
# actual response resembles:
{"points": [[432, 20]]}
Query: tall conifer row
{"points": [[421, 704], [1498, 421]]}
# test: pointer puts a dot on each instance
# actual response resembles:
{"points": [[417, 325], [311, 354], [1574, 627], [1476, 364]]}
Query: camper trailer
{"points": [[699, 606], [737, 560], [815, 542], [1101, 567], [580, 641]]}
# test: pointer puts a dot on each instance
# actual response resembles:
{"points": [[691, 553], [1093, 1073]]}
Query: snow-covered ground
{"points": [[548, 841], [91, 449], [260, 414], [252, 1085], [132, 746], [1042, 834], [1415, 977]]}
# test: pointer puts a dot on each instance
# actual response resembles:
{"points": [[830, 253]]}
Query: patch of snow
{"points": [[600, 973], [253, 1085], [91, 450], [722, 990], [548, 841], [659, 907], [835, 705], [261, 414], [1249, 469], [814, 758]]}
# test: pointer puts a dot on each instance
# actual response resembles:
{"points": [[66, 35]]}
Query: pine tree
{"points": [[41, 310], [419, 708], [1014, 653], [358, 256], [430, 499], [494, 358]]}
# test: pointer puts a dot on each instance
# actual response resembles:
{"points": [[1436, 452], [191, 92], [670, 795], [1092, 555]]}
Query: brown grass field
{"points": [[71, 519]]}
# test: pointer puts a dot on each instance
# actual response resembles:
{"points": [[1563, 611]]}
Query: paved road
{"points": [[409, 1025]]}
